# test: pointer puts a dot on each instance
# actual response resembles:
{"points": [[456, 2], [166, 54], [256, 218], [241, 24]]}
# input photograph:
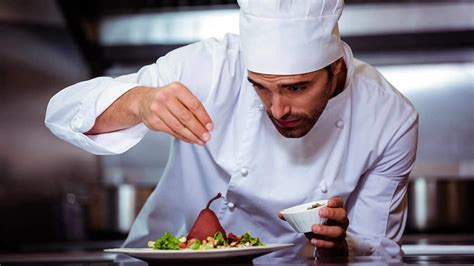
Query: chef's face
{"points": [[294, 103]]}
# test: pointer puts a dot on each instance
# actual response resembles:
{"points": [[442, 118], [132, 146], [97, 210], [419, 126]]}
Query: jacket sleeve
{"points": [[73, 111], [377, 209]]}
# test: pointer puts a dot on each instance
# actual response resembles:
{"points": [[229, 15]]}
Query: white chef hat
{"points": [[286, 37]]}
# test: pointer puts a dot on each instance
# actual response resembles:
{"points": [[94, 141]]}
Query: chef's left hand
{"points": [[330, 239]]}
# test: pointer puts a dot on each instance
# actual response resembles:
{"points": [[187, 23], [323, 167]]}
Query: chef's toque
{"points": [[285, 37]]}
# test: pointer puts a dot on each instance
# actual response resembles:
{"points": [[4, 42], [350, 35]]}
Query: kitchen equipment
{"points": [[112, 209], [440, 205]]}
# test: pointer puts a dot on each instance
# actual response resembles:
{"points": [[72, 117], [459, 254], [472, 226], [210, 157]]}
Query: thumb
{"points": [[281, 216]]}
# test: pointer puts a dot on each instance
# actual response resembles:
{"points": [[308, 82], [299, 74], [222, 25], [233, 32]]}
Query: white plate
{"points": [[225, 253]]}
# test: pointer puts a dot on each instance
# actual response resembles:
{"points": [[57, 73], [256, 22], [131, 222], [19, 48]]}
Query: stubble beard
{"points": [[307, 122]]}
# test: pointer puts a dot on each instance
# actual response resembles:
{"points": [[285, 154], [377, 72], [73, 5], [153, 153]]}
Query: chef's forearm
{"points": [[122, 114]]}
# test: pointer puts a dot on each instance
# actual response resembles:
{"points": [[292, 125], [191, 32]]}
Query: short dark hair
{"points": [[329, 70]]}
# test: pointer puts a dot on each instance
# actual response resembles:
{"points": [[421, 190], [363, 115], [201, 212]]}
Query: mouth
{"points": [[288, 123]]}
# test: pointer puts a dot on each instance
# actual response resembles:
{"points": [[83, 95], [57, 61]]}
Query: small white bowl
{"points": [[302, 219]]}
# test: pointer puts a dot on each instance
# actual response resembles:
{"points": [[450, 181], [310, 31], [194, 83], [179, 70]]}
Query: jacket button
{"points": [[323, 188], [339, 123], [231, 205], [244, 171]]}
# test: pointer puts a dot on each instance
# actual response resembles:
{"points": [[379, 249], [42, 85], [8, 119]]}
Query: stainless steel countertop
{"points": [[419, 249]]}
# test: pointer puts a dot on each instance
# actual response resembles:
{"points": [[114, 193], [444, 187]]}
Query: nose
{"points": [[279, 107]]}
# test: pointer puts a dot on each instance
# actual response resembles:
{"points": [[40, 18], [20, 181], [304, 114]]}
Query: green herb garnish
{"points": [[220, 239], [314, 206], [169, 242], [166, 242], [195, 245], [253, 241]]}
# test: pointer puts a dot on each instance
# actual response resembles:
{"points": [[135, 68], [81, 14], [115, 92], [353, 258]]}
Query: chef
{"points": [[279, 115]]}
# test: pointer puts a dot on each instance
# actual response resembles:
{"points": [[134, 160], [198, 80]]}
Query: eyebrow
{"points": [[254, 82], [286, 85]]}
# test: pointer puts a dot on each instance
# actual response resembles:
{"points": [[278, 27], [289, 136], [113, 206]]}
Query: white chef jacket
{"points": [[362, 148]]}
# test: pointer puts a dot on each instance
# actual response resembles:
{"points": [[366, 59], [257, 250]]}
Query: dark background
{"points": [[48, 187]]}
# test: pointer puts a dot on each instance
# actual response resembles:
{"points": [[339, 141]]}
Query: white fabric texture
{"points": [[362, 149], [283, 37]]}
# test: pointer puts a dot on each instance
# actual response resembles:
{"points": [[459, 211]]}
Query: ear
{"points": [[337, 66]]}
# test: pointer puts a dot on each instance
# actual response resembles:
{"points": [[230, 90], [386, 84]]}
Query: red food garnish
{"points": [[232, 238], [183, 245]]}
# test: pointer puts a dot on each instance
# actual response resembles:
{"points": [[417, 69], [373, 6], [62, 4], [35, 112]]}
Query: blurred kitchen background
{"points": [[55, 196]]}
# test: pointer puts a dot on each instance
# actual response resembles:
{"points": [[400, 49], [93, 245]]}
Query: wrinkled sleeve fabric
{"points": [[377, 209], [73, 111]]}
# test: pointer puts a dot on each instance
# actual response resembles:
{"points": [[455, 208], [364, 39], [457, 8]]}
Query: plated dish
{"points": [[189, 254], [206, 233], [206, 240]]}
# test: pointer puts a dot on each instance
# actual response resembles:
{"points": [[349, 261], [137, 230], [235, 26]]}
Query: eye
{"points": [[296, 88]]}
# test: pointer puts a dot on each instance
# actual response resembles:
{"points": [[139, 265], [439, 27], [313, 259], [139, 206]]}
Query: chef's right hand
{"points": [[175, 110]]}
